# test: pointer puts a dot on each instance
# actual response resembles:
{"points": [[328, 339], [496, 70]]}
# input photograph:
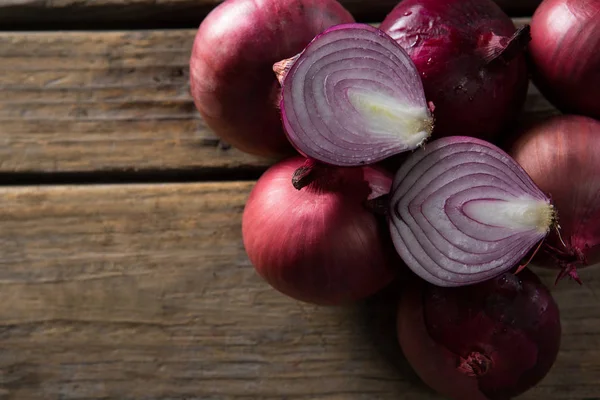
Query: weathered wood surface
{"points": [[145, 292], [130, 14], [96, 101], [112, 101]]}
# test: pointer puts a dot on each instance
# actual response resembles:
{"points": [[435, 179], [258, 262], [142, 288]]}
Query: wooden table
{"points": [[123, 274]]}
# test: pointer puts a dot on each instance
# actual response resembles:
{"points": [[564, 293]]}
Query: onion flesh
{"points": [[463, 211], [319, 244], [232, 82], [562, 156], [471, 60], [354, 97]]}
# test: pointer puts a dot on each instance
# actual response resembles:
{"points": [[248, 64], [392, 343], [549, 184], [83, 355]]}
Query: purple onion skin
{"points": [[319, 244], [445, 39], [232, 80], [510, 324], [565, 52]]}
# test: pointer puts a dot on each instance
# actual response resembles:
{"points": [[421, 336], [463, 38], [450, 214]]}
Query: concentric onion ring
{"points": [[354, 97], [463, 211]]}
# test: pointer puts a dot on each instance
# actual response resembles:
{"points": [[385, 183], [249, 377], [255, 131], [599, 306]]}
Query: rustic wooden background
{"points": [[123, 274]]}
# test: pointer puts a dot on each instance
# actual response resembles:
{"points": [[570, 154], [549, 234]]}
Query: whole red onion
{"points": [[471, 60], [319, 244], [231, 74], [490, 341], [562, 156], [565, 50]]}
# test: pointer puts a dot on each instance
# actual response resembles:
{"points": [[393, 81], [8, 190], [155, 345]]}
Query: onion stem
{"points": [[501, 49], [476, 364], [306, 174], [281, 68]]}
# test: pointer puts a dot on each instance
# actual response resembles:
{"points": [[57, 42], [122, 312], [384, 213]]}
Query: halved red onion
{"points": [[354, 97], [463, 211]]}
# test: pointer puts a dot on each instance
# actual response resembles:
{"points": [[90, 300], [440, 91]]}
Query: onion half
{"points": [[463, 211], [354, 97]]}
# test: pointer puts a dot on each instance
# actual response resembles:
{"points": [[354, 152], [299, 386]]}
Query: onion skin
{"points": [[446, 41], [231, 74], [564, 50], [510, 324], [562, 156], [319, 244]]}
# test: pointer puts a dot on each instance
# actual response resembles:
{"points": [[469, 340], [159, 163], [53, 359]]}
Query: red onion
{"points": [[493, 340], [565, 50], [353, 97], [463, 211], [230, 68], [319, 244], [562, 156], [471, 61]]}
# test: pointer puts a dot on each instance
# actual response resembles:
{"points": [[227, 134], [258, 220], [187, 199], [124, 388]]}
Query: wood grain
{"points": [[130, 14], [145, 292], [112, 101], [103, 101]]}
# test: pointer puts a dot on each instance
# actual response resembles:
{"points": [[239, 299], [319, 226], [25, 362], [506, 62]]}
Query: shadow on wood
{"points": [[379, 314]]}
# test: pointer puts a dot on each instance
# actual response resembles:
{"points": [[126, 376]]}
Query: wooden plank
{"points": [[112, 101], [103, 101], [145, 292], [130, 14]]}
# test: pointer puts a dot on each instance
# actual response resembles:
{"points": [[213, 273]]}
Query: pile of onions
{"points": [[463, 211], [425, 95], [489, 341], [318, 242], [231, 75], [562, 156], [565, 51], [471, 60], [353, 97]]}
